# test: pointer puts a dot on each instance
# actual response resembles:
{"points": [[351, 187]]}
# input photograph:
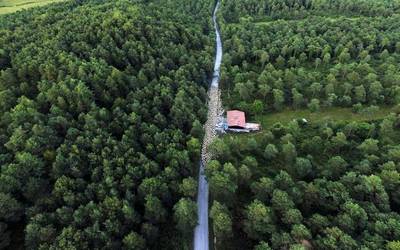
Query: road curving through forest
{"points": [[201, 234]]}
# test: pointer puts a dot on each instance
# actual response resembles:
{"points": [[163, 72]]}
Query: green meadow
{"points": [[10, 6]]}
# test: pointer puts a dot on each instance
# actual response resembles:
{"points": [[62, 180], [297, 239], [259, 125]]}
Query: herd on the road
{"points": [[201, 241]]}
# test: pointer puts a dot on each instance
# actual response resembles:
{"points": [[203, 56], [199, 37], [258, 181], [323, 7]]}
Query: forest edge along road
{"points": [[201, 239]]}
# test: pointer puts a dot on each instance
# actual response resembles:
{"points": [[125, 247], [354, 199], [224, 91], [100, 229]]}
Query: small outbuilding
{"points": [[236, 122], [236, 119]]}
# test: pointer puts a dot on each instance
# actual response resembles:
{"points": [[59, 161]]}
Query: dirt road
{"points": [[201, 241]]}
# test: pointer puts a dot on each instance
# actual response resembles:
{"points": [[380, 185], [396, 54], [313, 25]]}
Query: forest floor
{"points": [[324, 115], [10, 6]]}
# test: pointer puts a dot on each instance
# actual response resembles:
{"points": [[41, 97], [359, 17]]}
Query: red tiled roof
{"points": [[236, 118]]}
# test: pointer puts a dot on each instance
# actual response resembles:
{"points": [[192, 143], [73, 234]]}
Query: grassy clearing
{"points": [[337, 18], [10, 6], [324, 115]]}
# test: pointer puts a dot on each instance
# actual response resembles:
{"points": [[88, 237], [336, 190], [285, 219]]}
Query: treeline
{"points": [[100, 123], [296, 9], [313, 62], [328, 186]]}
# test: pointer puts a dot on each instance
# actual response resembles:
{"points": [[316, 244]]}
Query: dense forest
{"points": [[101, 110], [313, 62], [325, 186], [233, 10], [305, 184], [100, 123]]}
